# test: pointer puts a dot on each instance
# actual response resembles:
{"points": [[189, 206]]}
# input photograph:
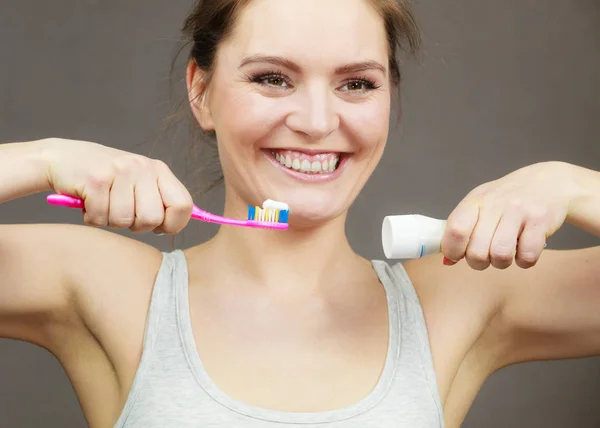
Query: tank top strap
{"points": [[170, 283], [162, 324], [413, 326]]}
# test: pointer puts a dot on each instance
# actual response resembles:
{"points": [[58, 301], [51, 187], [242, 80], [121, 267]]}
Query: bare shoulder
{"points": [[113, 277], [460, 307], [449, 294], [482, 321], [55, 276], [49, 269], [82, 293]]}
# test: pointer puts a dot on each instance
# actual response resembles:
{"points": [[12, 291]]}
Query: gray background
{"points": [[501, 84]]}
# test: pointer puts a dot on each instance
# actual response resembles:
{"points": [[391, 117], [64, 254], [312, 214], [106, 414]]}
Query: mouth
{"points": [[309, 166], [324, 164]]}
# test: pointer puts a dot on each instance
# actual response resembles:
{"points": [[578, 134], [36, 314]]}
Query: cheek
{"points": [[369, 124], [243, 117]]}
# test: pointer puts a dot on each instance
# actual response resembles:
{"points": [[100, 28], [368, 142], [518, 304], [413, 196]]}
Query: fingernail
{"points": [[448, 262], [159, 234]]}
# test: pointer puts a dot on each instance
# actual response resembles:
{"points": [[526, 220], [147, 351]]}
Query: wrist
{"points": [[584, 198], [39, 154]]}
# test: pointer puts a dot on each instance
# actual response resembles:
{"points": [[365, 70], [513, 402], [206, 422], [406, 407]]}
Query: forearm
{"points": [[584, 210], [23, 169]]}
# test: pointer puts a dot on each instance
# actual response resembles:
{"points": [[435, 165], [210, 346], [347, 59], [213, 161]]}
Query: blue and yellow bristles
{"points": [[272, 215], [271, 211]]}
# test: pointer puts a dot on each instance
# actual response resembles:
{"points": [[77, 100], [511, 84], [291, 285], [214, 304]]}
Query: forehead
{"points": [[325, 31]]}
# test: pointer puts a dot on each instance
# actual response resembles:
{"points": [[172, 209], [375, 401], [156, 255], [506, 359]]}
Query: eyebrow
{"points": [[284, 62]]}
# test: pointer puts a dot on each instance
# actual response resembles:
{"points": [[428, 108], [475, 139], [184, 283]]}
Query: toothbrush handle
{"points": [[197, 214], [65, 201], [205, 216]]}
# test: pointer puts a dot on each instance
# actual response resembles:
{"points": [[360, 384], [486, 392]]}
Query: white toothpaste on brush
{"points": [[270, 204], [271, 211]]}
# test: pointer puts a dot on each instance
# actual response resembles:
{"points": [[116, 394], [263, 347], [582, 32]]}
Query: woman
{"points": [[264, 328]]}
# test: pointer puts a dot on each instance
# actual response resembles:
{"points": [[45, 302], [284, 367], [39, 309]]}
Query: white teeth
{"points": [[333, 164], [305, 166]]}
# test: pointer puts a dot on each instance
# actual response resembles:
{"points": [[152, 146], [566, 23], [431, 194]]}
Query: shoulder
{"points": [[113, 277], [75, 263], [454, 300], [460, 286], [113, 280], [105, 281], [459, 305], [110, 277], [100, 265], [104, 259]]}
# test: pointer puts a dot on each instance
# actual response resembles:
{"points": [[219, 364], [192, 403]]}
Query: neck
{"points": [[306, 258]]}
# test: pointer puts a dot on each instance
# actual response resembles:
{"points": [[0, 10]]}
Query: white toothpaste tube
{"points": [[411, 236]]}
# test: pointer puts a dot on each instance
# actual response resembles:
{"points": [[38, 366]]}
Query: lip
{"points": [[310, 178], [310, 152]]}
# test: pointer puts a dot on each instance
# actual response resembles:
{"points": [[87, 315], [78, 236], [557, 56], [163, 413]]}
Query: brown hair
{"points": [[212, 21]]}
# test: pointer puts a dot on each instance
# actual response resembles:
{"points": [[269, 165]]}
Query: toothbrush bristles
{"points": [[269, 215]]}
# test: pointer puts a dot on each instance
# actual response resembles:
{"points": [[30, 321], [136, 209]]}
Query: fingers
{"points": [[531, 244], [122, 204], [140, 194], [459, 229], [478, 250], [149, 208], [96, 200], [498, 237], [504, 242], [177, 202]]}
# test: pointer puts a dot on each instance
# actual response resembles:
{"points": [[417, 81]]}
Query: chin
{"points": [[315, 212]]}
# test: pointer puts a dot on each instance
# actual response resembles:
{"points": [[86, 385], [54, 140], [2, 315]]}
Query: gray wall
{"points": [[502, 84]]}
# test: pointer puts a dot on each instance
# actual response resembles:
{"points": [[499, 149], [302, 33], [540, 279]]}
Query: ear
{"points": [[196, 86]]}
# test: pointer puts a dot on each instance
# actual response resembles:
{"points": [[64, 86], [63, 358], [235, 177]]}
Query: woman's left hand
{"points": [[510, 219]]}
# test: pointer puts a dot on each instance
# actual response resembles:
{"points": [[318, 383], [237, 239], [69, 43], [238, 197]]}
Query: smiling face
{"points": [[300, 102]]}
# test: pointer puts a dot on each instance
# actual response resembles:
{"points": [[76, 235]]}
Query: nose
{"points": [[315, 115]]}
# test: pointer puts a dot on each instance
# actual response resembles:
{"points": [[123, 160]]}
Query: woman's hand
{"points": [[510, 219], [120, 189]]}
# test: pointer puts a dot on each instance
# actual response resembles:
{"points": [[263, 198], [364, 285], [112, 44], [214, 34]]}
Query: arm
{"points": [[55, 288], [48, 272], [553, 310], [23, 170], [32, 283], [42, 267], [537, 308], [584, 211], [479, 322], [56, 292]]}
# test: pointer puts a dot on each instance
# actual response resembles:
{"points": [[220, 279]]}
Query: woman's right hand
{"points": [[119, 189]]}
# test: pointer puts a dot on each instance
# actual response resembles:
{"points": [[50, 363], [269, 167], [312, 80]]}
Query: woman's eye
{"points": [[272, 80], [356, 86], [275, 81]]}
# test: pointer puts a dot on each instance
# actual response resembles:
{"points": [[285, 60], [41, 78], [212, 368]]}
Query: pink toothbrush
{"points": [[273, 215]]}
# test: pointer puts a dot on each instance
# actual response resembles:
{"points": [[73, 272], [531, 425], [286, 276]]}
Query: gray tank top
{"points": [[172, 389]]}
